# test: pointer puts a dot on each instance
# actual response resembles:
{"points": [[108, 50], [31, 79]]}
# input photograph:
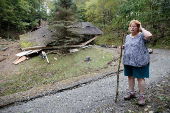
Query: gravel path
{"points": [[94, 96]]}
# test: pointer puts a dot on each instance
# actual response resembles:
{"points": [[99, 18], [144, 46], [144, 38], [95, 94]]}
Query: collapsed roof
{"points": [[43, 36], [85, 28]]}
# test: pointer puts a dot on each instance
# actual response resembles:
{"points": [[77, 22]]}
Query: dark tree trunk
{"points": [[8, 31]]}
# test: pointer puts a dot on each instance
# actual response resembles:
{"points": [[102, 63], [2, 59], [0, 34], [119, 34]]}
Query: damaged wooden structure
{"points": [[39, 40], [42, 37]]}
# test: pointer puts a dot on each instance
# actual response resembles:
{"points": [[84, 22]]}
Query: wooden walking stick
{"points": [[117, 91]]}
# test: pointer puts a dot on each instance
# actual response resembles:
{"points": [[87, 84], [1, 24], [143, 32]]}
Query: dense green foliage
{"points": [[113, 17], [17, 15], [64, 15]]}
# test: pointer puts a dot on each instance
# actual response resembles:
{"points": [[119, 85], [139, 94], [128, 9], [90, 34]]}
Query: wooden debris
{"points": [[85, 47], [27, 52], [36, 49], [90, 40], [73, 50], [44, 37], [58, 47], [20, 60], [22, 53], [54, 52]]}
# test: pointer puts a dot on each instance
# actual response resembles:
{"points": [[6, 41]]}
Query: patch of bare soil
{"points": [[8, 49]]}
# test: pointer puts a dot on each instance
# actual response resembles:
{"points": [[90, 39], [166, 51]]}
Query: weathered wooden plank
{"points": [[20, 60], [90, 40], [27, 52], [23, 53]]}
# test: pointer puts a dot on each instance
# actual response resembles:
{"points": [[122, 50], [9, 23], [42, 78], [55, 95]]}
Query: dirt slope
{"points": [[7, 56]]}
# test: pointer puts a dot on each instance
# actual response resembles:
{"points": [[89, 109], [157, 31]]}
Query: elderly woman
{"points": [[136, 59]]}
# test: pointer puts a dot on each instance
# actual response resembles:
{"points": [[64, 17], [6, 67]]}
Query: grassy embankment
{"points": [[36, 71]]}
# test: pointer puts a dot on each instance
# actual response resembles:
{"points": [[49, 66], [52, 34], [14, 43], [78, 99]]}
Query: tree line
{"points": [[62, 16], [18, 15], [109, 15], [116, 15]]}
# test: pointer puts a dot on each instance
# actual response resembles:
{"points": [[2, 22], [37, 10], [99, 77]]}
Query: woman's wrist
{"points": [[142, 29]]}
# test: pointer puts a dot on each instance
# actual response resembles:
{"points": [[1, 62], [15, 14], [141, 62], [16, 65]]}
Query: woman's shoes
{"points": [[141, 101], [130, 95]]}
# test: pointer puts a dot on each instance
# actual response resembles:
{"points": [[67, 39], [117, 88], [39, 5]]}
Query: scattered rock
{"points": [[5, 48], [87, 59], [1, 59], [113, 46]]}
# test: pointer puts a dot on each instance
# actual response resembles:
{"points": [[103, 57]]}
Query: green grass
{"points": [[36, 71]]}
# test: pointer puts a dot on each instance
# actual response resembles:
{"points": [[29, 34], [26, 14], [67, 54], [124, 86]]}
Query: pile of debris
{"points": [[43, 51], [36, 42], [25, 55]]}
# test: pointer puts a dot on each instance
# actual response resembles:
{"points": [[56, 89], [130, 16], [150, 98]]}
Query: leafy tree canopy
{"points": [[17, 15], [64, 16], [116, 15]]}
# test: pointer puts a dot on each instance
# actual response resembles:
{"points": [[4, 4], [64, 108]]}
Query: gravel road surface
{"points": [[90, 97]]}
